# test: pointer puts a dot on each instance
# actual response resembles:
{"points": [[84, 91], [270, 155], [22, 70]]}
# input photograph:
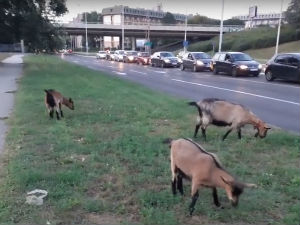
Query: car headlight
{"points": [[199, 63], [167, 60], [179, 60], [130, 57], [260, 66], [243, 67]]}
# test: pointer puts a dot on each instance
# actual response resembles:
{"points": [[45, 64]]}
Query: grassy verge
{"points": [[264, 54], [248, 39], [105, 163]]}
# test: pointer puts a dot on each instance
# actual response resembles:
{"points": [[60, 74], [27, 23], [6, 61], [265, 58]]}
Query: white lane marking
{"points": [[138, 72], [75, 61], [156, 71], [87, 56], [120, 73], [110, 66], [260, 82], [240, 92]]}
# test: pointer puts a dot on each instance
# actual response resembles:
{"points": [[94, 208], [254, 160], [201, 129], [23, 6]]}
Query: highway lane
{"points": [[277, 102]]}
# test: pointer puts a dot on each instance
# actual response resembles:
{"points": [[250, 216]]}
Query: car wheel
{"points": [[215, 71], [195, 68], [162, 65], [234, 72], [182, 67], [269, 75]]}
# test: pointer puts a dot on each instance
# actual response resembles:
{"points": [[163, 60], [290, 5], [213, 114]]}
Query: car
{"points": [[118, 56], [284, 66], [235, 63], [110, 55], [101, 55], [164, 59], [130, 57], [143, 58], [197, 61]]}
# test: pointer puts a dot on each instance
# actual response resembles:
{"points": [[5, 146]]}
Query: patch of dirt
{"points": [[11, 92], [104, 219], [3, 118]]}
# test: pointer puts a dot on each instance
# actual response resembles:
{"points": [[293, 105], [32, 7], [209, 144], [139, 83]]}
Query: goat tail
{"points": [[197, 106], [168, 141]]}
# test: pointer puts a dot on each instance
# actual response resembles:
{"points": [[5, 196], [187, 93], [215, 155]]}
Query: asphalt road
{"points": [[275, 102]]}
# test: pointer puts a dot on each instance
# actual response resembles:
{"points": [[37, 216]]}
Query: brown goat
{"points": [[189, 160], [222, 113], [54, 100]]}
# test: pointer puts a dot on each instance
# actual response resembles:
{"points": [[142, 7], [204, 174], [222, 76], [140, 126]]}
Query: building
{"points": [[269, 19], [112, 15]]}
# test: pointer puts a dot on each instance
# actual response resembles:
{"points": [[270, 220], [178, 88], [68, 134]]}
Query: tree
{"points": [[293, 13], [93, 17], [168, 19], [198, 19], [32, 21], [234, 22]]}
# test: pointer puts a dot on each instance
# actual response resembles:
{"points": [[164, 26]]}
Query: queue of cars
{"points": [[282, 66]]}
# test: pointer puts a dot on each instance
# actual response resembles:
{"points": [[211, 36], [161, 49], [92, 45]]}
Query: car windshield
{"points": [[201, 56], [101, 52], [144, 54], [166, 54], [241, 57], [121, 52], [131, 53]]}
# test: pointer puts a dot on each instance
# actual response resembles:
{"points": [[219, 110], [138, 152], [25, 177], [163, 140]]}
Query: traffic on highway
{"points": [[177, 76]]}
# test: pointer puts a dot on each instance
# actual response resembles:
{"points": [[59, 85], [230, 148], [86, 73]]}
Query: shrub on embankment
{"points": [[256, 38]]}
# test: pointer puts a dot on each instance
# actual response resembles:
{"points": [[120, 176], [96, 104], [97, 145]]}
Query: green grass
{"points": [[105, 161], [261, 37], [264, 54]]}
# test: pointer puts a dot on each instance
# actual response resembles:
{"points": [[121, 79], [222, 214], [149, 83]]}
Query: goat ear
{"points": [[226, 181], [249, 185]]}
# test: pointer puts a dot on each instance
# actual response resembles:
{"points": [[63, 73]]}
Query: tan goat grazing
{"points": [[189, 160], [54, 100], [222, 113]]}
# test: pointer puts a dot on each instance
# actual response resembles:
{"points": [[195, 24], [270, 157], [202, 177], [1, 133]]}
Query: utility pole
{"points": [[278, 32], [185, 29], [122, 18], [221, 27], [86, 40], [148, 33]]}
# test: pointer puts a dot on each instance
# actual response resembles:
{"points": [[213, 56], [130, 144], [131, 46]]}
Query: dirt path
{"points": [[10, 72]]}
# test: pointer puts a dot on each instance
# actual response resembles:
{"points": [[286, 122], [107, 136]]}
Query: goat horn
{"points": [[250, 185]]}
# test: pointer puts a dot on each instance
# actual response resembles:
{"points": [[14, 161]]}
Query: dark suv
{"points": [[197, 61], [235, 63], [284, 66]]}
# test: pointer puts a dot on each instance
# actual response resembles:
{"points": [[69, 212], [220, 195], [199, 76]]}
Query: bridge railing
{"points": [[154, 26]]}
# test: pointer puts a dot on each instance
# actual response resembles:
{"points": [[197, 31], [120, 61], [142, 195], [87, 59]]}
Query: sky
{"points": [[209, 8]]}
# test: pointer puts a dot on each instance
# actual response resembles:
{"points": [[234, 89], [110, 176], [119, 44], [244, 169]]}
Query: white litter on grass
{"points": [[15, 59], [36, 197]]}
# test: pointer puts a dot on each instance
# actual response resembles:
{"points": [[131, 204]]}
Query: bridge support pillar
{"points": [[133, 43]]}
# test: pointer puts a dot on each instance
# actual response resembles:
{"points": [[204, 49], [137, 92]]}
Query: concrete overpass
{"points": [[138, 30]]}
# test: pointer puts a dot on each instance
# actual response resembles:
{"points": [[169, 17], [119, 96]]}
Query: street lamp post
{"points": [[278, 32], [86, 40], [185, 29], [221, 27], [122, 27]]}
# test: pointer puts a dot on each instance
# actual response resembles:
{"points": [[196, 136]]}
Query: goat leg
{"points": [[192, 205], [228, 132], [239, 131], [196, 130], [179, 184], [215, 196], [203, 133], [174, 186]]}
